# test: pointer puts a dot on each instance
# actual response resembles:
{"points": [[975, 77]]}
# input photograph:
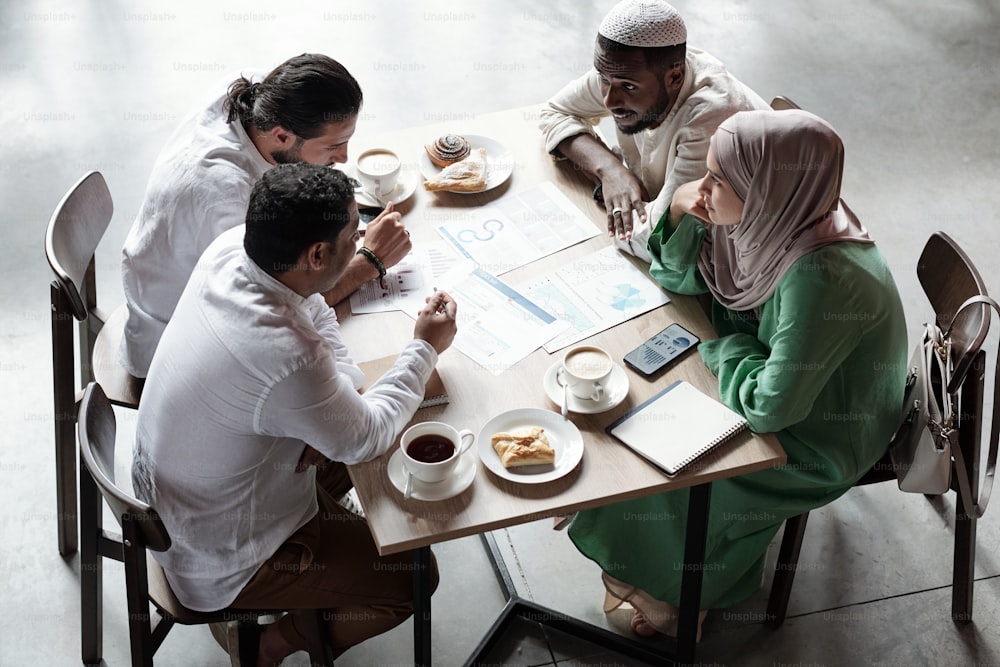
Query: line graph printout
{"points": [[518, 229], [406, 284], [497, 325], [594, 293]]}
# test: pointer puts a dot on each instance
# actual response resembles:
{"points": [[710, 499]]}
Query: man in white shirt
{"points": [[666, 101], [252, 383], [305, 110]]}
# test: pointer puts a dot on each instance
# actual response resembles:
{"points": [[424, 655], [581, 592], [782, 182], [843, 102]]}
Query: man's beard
{"points": [[650, 116], [289, 155]]}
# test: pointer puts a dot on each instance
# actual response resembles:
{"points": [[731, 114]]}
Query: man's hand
{"points": [[436, 321], [623, 196], [387, 237], [623, 193], [310, 457]]}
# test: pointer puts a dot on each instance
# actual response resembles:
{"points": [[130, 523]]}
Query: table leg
{"points": [[422, 606], [518, 607], [694, 566]]}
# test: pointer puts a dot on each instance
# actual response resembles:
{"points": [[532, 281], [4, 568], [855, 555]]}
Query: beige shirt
{"points": [[663, 157]]}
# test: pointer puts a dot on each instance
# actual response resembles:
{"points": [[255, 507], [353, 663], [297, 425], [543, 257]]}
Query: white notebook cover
{"points": [[676, 426]]}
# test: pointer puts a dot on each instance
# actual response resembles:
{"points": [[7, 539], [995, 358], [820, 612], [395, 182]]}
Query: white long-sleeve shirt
{"points": [[199, 188], [663, 157], [247, 373]]}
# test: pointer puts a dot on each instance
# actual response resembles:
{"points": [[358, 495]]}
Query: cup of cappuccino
{"points": [[586, 369], [378, 171]]}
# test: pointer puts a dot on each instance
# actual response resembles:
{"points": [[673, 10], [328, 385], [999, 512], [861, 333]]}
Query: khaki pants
{"points": [[331, 563]]}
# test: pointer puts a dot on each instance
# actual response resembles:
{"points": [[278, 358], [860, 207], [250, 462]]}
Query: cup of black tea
{"points": [[431, 450]]}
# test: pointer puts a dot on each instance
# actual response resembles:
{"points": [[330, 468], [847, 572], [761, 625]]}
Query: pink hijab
{"points": [[786, 166]]}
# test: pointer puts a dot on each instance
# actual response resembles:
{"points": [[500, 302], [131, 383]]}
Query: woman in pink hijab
{"points": [[812, 346]]}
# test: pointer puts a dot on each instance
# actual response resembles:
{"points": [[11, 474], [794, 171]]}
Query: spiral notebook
{"points": [[676, 426]]}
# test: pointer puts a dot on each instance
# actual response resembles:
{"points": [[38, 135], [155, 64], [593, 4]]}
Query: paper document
{"points": [[518, 229], [594, 293], [407, 284], [497, 326]]}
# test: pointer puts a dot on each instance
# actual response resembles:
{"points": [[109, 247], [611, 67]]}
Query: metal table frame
{"points": [[518, 607]]}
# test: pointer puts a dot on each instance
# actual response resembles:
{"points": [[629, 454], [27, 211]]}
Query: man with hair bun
{"points": [[305, 110], [666, 100]]}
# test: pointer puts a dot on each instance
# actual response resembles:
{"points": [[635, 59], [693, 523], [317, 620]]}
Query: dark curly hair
{"points": [[291, 207], [302, 95]]}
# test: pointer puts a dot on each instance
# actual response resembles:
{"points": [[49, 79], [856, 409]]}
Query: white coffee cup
{"points": [[432, 450], [378, 171], [585, 370]]}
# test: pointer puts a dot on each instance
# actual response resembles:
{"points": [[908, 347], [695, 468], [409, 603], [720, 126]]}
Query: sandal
{"points": [[640, 626]]}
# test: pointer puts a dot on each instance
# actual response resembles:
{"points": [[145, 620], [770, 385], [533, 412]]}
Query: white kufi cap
{"points": [[644, 23]]}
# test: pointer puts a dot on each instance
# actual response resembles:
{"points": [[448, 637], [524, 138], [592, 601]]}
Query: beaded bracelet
{"points": [[373, 258]]}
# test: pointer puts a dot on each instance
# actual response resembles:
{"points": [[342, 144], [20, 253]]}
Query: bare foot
{"points": [[273, 647], [641, 626]]}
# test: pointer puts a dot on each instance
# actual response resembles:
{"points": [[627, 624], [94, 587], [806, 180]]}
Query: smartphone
{"points": [[366, 214], [656, 353]]}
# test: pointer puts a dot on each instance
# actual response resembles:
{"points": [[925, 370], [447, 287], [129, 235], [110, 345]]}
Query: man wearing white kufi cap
{"points": [[666, 101]]}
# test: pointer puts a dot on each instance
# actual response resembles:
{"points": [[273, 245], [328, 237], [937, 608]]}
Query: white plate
{"points": [[563, 435], [499, 162], [614, 393], [405, 187], [465, 472]]}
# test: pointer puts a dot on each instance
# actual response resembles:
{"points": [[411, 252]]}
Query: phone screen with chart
{"points": [[656, 353]]}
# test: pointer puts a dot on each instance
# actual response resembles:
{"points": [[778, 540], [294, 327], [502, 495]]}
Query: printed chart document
{"points": [[675, 427], [594, 293], [407, 284], [518, 229], [497, 325]]}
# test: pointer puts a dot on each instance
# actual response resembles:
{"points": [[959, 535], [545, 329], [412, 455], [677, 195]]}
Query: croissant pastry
{"points": [[525, 447], [448, 149], [468, 175]]}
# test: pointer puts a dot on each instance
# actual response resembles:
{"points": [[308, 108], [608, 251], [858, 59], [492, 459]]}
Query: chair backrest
{"points": [[97, 429], [74, 231], [782, 103], [948, 278]]}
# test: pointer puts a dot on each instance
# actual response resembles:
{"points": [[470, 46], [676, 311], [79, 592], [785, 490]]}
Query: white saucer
{"points": [[614, 393], [563, 435], [404, 189], [499, 162], [449, 488]]}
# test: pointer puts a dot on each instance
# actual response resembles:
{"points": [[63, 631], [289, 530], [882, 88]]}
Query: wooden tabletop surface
{"points": [[608, 472]]}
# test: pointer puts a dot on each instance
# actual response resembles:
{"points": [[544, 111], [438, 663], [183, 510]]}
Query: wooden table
{"points": [[609, 472]]}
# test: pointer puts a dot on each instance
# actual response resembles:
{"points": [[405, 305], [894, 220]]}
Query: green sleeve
{"points": [[775, 384], [674, 255]]}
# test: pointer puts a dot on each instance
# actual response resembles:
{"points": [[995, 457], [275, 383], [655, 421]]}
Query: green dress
{"points": [[823, 367]]}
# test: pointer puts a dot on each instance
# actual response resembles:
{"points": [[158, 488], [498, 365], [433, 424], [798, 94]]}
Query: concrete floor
{"points": [[912, 86]]}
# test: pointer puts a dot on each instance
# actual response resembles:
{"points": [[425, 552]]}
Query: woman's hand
{"points": [[688, 200]]}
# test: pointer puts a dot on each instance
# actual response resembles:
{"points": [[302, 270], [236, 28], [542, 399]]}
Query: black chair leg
{"points": [[784, 570], [320, 651], [91, 579]]}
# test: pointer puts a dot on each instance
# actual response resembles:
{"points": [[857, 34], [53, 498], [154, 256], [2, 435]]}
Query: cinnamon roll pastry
{"points": [[448, 149]]}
